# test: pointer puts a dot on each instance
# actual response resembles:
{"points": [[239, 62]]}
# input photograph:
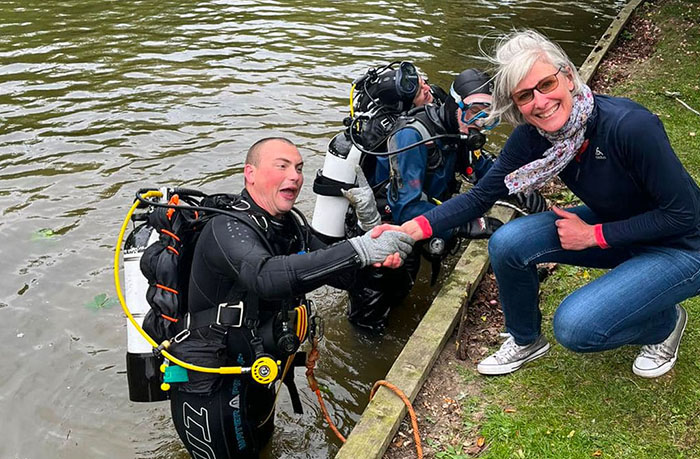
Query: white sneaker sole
{"points": [[666, 367], [493, 370], [656, 372]]}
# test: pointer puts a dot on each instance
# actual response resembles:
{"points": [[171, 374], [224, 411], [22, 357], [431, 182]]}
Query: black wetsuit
{"points": [[223, 416]]}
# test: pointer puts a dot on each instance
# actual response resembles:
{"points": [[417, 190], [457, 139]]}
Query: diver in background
{"points": [[413, 181]]}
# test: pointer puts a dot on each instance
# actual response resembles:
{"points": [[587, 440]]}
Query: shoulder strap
{"points": [[303, 228], [417, 120]]}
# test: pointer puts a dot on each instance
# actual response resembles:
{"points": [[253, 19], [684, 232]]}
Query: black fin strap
{"points": [[293, 392]]}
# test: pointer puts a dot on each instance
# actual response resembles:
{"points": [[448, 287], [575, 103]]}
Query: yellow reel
{"points": [[264, 370]]}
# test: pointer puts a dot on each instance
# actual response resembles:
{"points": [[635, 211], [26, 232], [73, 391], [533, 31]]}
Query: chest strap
{"points": [[225, 315]]}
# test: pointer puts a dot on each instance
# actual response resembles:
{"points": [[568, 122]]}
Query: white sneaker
{"points": [[657, 359], [511, 356]]}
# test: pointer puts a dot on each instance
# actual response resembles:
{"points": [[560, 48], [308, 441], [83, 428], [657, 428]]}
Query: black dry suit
{"points": [[230, 416]]}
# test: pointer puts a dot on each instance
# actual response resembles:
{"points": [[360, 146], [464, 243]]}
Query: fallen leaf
{"points": [[101, 301], [42, 234], [480, 442], [571, 434], [597, 453]]}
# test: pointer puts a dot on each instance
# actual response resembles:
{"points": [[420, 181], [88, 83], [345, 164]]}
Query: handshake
{"points": [[388, 249], [387, 246]]}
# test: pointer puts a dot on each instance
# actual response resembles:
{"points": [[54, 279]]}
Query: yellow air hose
{"points": [[352, 110], [264, 370]]}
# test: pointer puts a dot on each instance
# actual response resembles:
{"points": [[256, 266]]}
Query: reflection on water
{"points": [[99, 98]]}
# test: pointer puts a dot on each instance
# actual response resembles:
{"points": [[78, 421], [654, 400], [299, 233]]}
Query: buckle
{"points": [[238, 306], [183, 335]]}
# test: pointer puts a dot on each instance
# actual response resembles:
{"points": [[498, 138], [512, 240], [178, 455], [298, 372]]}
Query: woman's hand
{"points": [[410, 227], [574, 233]]}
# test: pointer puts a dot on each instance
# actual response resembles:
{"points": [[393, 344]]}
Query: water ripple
{"points": [[99, 98]]}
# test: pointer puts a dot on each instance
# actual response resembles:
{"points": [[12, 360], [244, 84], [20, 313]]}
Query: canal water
{"points": [[101, 97]]}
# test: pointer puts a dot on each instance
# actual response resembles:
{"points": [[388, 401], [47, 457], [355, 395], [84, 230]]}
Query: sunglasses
{"points": [[544, 86], [406, 80], [477, 115]]}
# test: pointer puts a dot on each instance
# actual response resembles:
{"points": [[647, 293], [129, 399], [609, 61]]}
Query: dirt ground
{"points": [[439, 405]]}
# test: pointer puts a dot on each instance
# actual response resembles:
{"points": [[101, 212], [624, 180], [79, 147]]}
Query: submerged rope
{"points": [[311, 360]]}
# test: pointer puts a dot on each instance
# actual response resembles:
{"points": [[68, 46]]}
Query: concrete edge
{"points": [[589, 66], [382, 416]]}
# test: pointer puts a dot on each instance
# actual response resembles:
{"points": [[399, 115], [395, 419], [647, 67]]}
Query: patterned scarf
{"points": [[565, 144]]}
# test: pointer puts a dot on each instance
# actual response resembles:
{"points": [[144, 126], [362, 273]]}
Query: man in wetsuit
{"points": [[268, 268]]}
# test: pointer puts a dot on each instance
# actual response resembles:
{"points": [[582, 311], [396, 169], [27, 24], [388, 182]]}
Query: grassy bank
{"points": [[568, 405]]}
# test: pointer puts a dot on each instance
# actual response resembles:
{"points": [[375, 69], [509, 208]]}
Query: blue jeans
{"points": [[633, 303]]}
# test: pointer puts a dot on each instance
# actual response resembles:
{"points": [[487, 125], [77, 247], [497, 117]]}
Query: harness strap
{"points": [[225, 315], [325, 186]]}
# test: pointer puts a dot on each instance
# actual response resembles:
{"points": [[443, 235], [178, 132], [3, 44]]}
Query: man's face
{"points": [[275, 182], [424, 95], [478, 107]]}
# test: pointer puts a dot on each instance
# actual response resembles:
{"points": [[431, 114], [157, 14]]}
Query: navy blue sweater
{"points": [[629, 176]]}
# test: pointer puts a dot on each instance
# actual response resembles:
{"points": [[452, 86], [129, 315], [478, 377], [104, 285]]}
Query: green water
{"points": [[99, 98]]}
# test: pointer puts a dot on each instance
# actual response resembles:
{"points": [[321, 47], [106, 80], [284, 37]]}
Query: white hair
{"points": [[513, 57]]}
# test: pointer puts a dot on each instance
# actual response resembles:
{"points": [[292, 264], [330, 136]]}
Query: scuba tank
{"points": [[142, 366], [172, 219], [370, 122], [338, 172]]}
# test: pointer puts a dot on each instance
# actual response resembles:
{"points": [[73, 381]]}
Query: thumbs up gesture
{"points": [[574, 233]]}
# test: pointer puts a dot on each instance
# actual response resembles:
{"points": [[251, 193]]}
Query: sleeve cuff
{"points": [[424, 225], [599, 238]]}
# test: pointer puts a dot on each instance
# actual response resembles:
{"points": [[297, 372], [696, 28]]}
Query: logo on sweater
{"points": [[599, 154]]}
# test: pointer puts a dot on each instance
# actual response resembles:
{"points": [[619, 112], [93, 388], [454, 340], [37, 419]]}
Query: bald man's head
{"points": [[253, 156], [273, 174]]}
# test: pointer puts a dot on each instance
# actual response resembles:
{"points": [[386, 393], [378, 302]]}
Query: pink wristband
{"points": [[599, 238], [424, 225]]}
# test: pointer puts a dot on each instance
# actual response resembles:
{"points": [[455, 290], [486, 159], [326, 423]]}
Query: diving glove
{"points": [[375, 250], [479, 228], [531, 202], [362, 199]]}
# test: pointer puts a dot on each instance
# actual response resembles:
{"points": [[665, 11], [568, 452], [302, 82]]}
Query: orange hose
{"points": [[407, 402], [311, 359], [328, 418]]}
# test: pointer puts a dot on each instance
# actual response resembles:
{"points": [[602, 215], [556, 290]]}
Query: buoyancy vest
{"points": [[419, 119], [167, 264]]}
